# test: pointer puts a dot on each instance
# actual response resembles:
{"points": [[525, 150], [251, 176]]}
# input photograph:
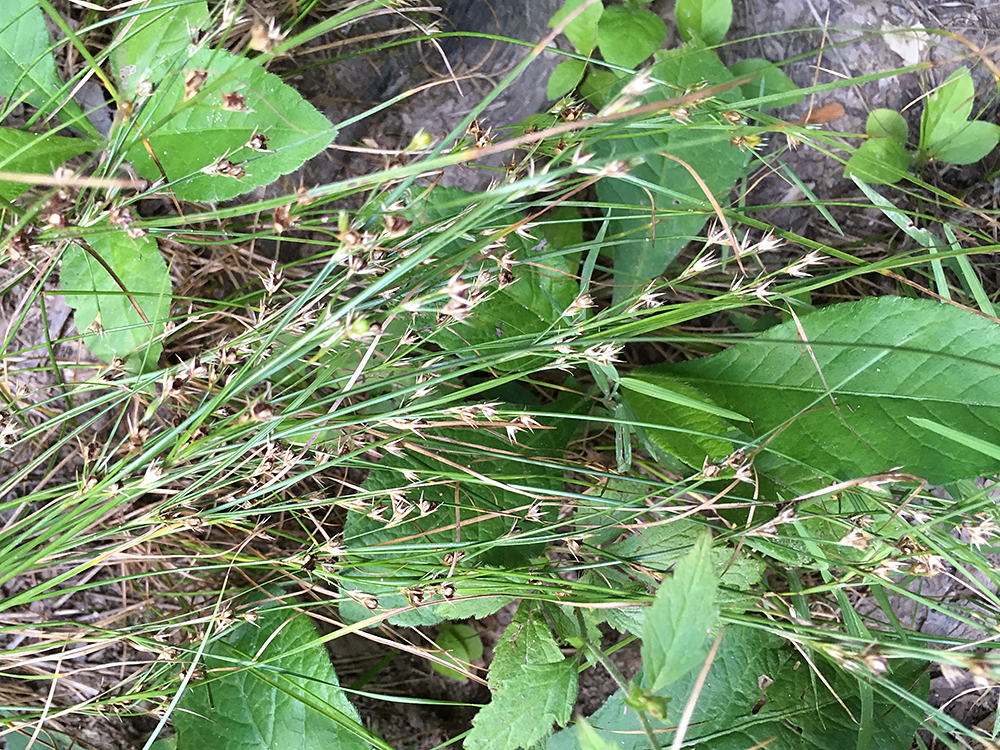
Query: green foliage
{"points": [[738, 708], [882, 158], [627, 35], [704, 20], [523, 710], [565, 78], [770, 83], [190, 134], [642, 251], [103, 309], [842, 403], [27, 67], [677, 626], [582, 31], [39, 153], [946, 134], [275, 686], [461, 645]]}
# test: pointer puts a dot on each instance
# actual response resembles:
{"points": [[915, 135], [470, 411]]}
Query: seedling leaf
{"points": [[968, 145], [707, 20], [879, 160], [628, 35], [888, 123], [269, 684], [675, 629], [461, 645], [945, 133], [96, 297]]}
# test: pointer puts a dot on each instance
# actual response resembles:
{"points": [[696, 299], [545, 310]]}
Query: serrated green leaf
{"points": [[883, 360], [40, 153], [523, 711], [189, 137], [27, 67], [967, 146], [707, 20], [526, 640], [640, 253], [627, 35], [799, 712], [770, 82], [461, 646], [582, 30], [282, 693], [155, 40], [95, 296], [565, 78], [879, 160], [676, 628], [888, 123], [673, 392]]}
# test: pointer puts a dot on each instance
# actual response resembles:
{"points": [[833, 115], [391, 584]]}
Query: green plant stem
{"points": [[616, 675]]}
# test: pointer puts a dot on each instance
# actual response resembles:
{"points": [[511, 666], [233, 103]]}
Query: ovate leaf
{"points": [[40, 153], [565, 78], [887, 123], [461, 645], [627, 35], [707, 20], [582, 30], [844, 404], [237, 100], [880, 160], [102, 309], [524, 710], [970, 144], [945, 132], [675, 629], [269, 685]]}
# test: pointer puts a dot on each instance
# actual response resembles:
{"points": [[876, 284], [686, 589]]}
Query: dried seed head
{"points": [[261, 411], [225, 168], [234, 102], [264, 37], [194, 79], [257, 142], [396, 226]]}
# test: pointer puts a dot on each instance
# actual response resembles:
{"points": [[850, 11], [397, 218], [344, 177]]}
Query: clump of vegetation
{"points": [[458, 402]]}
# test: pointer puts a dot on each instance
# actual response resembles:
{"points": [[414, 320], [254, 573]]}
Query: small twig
{"points": [[692, 700], [104, 264]]}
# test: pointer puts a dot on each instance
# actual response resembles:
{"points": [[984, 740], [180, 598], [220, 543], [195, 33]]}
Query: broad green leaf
{"points": [[798, 710], [947, 109], [884, 361], [888, 123], [526, 640], [189, 137], [692, 429], [21, 739], [269, 685], [675, 629], [707, 20], [968, 145], [523, 710], [96, 297], [596, 85], [640, 253], [565, 78], [35, 152], [590, 739], [582, 30], [156, 40], [27, 67], [945, 132], [770, 82], [880, 160], [461, 645], [627, 35]]}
